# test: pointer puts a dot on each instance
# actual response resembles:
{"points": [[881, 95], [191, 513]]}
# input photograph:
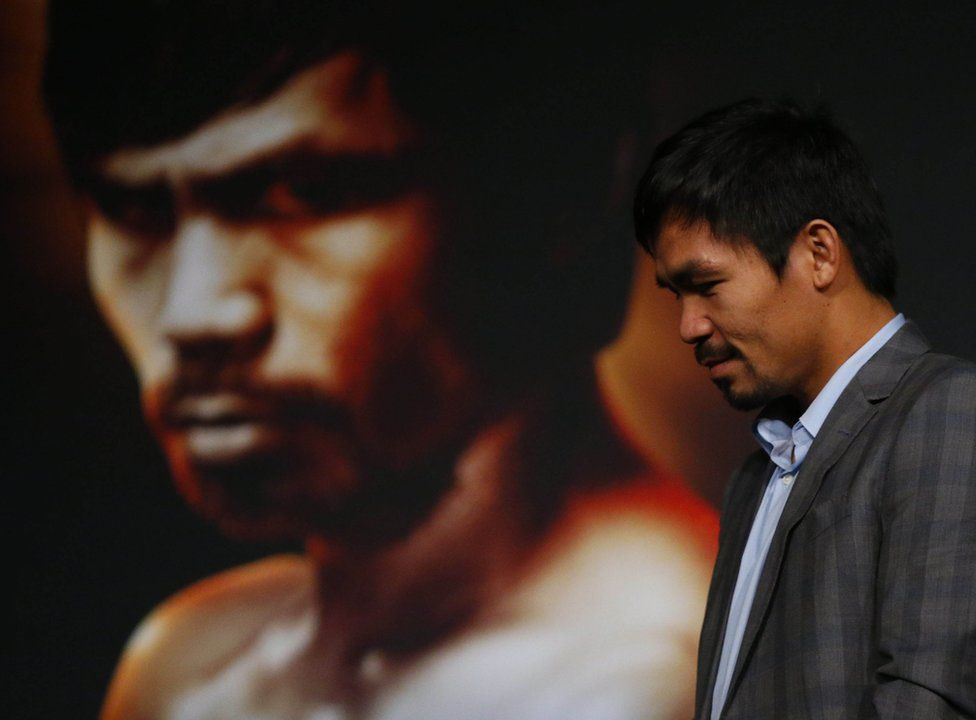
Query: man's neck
{"points": [[509, 486], [843, 332]]}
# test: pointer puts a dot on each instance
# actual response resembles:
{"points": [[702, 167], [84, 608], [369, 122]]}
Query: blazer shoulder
{"points": [[938, 375], [943, 363], [928, 426]]}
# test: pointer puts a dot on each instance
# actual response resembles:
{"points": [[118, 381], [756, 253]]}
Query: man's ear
{"points": [[820, 242]]}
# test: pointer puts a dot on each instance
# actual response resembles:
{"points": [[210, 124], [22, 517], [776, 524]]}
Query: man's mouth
{"points": [[226, 428], [718, 367], [715, 361]]}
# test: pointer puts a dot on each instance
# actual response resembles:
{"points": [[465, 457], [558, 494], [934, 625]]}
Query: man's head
{"points": [[314, 244], [759, 216]]}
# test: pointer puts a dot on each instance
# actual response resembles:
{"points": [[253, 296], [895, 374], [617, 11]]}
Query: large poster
{"points": [[341, 388]]}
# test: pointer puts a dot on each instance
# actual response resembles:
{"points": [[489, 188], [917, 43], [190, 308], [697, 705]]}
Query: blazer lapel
{"points": [[855, 406], [745, 491]]}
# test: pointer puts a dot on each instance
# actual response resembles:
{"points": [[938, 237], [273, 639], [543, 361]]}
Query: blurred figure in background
{"points": [[362, 283]]}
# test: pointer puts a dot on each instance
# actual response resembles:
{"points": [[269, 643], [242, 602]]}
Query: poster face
{"points": [[343, 388]]}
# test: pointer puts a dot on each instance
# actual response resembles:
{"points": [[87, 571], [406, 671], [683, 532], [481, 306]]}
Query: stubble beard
{"points": [[762, 391], [759, 395]]}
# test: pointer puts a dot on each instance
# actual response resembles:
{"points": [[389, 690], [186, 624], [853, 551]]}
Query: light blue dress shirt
{"points": [[787, 447]]}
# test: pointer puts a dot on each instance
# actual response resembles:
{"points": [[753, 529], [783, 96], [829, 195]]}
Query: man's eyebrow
{"points": [[137, 171], [363, 169], [302, 154], [310, 154], [685, 275], [105, 189], [293, 158]]}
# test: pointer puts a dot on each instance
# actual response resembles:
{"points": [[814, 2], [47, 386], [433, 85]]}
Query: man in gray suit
{"points": [[845, 584]]}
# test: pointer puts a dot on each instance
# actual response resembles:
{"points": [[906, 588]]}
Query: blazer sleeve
{"points": [[926, 593]]}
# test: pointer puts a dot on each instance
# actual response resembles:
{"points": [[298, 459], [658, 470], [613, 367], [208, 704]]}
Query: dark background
{"points": [[96, 536]]}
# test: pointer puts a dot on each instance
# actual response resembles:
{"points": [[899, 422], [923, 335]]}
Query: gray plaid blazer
{"points": [[866, 606]]}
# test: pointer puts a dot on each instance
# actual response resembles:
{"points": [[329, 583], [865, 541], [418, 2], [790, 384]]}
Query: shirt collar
{"points": [[787, 445]]}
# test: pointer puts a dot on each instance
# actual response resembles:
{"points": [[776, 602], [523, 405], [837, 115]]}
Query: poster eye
{"points": [[147, 212]]}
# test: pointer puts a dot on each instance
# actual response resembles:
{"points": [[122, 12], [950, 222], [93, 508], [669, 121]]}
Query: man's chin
{"points": [[263, 499], [256, 503], [744, 400], [257, 528], [245, 514]]}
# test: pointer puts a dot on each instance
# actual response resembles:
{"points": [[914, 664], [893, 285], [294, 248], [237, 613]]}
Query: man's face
{"points": [[267, 274], [749, 327]]}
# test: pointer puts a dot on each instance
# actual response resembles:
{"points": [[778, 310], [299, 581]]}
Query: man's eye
{"points": [[313, 197], [307, 187], [146, 212], [282, 199], [341, 186], [706, 289]]}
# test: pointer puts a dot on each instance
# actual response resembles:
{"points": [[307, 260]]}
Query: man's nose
{"points": [[695, 326], [215, 294]]}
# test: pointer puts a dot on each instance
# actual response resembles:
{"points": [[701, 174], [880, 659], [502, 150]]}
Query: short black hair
{"points": [[757, 171]]}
